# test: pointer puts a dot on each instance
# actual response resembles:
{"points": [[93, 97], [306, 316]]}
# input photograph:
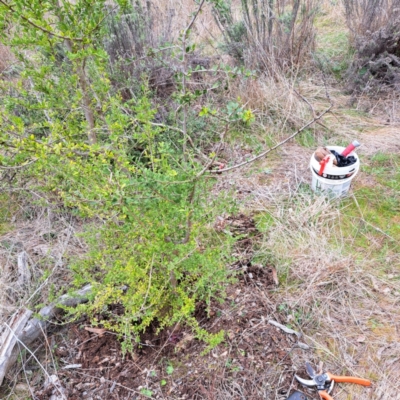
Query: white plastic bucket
{"points": [[335, 181]]}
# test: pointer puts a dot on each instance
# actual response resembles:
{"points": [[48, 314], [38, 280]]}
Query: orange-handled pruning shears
{"points": [[324, 382]]}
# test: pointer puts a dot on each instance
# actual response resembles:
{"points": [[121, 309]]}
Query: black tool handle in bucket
{"points": [[297, 396], [335, 177]]}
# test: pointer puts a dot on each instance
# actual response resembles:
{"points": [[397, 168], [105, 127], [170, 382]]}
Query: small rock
{"points": [[21, 389]]}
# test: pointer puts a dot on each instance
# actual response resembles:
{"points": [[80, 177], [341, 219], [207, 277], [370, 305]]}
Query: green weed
{"points": [[146, 392], [307, 139], [386, 170]]}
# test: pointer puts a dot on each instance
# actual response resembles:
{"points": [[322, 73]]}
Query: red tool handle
{"points": [[350, 148], [324, 395], [349, 379], [323, 163]]}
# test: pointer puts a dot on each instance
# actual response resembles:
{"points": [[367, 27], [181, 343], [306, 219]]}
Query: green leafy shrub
{"points": [[152, 250]]}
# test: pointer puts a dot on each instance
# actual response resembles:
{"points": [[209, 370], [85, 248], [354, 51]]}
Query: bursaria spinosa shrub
{"points": [[152, 251]]}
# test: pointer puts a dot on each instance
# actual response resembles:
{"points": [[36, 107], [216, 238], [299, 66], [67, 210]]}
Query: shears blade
{"points": [[310, 370], [306, 382]]}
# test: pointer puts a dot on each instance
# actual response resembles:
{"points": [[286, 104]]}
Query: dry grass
{"points": [[177, 14], [344, 300], [351, 302], [275, 101], [6, 58], [47, 239]]}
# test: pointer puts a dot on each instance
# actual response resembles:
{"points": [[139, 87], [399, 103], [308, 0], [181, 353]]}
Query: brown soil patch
{"points": [[255, 361], [254, 358]]}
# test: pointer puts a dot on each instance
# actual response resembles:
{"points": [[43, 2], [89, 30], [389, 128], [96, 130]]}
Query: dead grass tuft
{"points": [[274, 100], [33, 259]]}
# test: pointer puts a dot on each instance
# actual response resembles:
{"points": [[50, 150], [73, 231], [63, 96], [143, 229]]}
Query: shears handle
{"points": [[349, 379], [324, 395]]}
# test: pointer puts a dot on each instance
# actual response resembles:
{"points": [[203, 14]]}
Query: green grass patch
{"points": [[372, 222], [386, 170], [333, 48], [378, 209], [333, 43], [307, 139], [352, 112]]}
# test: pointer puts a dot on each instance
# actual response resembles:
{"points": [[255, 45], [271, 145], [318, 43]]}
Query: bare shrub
{"points": [[269, 35], [367, 15], [133, 42], [145, 43], [375, 36]]}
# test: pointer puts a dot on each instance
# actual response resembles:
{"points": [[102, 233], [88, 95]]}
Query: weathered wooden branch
{"points": [[25, 329], [9, 341], [24, 275]]}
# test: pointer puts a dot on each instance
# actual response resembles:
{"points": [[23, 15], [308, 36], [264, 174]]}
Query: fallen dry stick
{"points": [[24, 329], [284, 328], [97, 331]]}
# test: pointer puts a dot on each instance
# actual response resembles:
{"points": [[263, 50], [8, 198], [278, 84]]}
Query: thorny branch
{"points": [[217, 151], [184, 75], [192, 193], [264, 153], [189, 216], [194, 17]]}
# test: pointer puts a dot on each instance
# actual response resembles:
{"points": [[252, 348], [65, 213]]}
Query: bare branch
{"points": [[263, 154], [212, 161], [194, 18], [189, 216]]}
